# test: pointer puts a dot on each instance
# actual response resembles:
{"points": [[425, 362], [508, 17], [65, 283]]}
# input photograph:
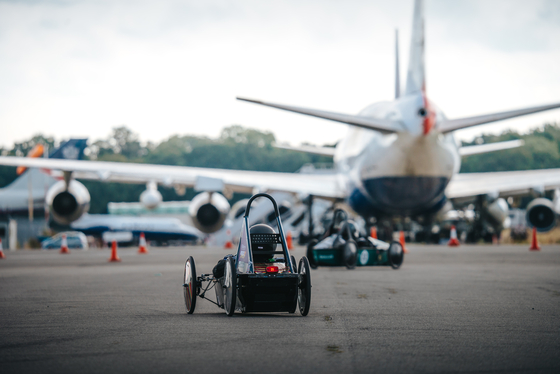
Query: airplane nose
{"points": [[411, 194]]}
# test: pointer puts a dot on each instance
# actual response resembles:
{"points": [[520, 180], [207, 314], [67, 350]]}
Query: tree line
{"points": [[242, 148]]}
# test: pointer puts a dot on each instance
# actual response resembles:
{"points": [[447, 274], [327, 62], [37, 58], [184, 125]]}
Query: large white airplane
{"points": [[399, 158]]}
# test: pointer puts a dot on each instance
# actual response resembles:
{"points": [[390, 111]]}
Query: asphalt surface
{"points": [[472, 309]]}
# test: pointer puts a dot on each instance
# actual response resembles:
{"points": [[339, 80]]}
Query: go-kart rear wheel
{"points": [[230, 286], [189, 285], [310, 256], [304, 286], [294, 264], [396, 255], [350, 254]]}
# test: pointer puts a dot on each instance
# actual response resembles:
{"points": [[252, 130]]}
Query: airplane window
{"points": [[298, 220], [240, 212], [283, 209]]}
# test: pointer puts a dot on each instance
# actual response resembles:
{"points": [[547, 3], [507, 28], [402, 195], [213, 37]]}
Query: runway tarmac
{"points": [[472, 309]]}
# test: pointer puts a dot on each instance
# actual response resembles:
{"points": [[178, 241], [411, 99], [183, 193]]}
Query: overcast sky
{"points": [[80, 68]]}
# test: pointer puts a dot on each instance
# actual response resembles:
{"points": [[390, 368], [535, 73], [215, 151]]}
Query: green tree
{"points": [[541, 151]]}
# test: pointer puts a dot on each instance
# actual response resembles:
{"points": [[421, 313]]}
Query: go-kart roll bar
{"points": [[262, 195], [278, 221]]}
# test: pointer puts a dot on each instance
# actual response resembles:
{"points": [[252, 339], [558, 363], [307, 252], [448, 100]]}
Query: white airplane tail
{"points": [[415, 85], [416, 79]]}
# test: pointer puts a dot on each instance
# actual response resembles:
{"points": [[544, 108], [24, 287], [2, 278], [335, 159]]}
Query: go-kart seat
{"points": [[349, 231], [263, 246]]}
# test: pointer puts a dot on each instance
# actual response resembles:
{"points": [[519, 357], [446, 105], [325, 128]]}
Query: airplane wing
{"points": [[382, 125], [461, 123], [505, 183], [329, 186], [322, 151], [490, 147]]}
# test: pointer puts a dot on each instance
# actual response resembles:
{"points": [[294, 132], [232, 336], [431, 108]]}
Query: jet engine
{"points": [[66, 205], [208, 211], [498, 212], [541, 213], [150, 197], [238, 209]]}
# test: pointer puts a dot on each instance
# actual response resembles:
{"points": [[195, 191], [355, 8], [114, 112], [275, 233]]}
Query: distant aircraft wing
{"points": [[320, 185], [490, 147], [322, 151], [505, 183], [381, 125], [461, 123]]}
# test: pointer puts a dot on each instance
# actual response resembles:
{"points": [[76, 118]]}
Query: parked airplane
{"points": [[155, 229], [398, 159], [14, 198]]}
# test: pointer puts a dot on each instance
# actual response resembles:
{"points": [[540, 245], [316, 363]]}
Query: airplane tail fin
{"points": [[72, 149], [416, 79]]}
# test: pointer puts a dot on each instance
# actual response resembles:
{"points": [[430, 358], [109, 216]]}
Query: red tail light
{"points": [[272, 269]]}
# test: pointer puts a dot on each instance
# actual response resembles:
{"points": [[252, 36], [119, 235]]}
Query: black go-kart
{"points": [[260, 278], [342, 245]]}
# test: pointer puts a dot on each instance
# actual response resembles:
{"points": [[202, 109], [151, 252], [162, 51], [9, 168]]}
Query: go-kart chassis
{"points": [[255, 292], [244, 285], [334, 257]]}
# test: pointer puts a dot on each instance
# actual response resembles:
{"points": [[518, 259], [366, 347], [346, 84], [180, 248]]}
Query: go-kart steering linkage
{"points": [[211, 283]]}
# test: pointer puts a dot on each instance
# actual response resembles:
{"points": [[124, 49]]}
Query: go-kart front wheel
{"points": [[350, 254], [304, 286], [189, 285], [230, 286], [396, 255]]}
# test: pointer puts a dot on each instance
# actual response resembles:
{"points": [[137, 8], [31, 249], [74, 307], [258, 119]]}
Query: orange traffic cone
{"points": [[453, 241], [373, 232], [114, 257], [401, 240], [142, 250], [64, 245], [534, 241], [2, 255], [495, 240], [229, 243], [289, 241]]}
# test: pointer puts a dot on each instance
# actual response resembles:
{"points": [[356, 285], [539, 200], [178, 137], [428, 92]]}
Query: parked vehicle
{"points": [[74, 239]]}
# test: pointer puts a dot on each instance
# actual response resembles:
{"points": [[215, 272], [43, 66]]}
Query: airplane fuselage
{"points": [[403, 173], [154, 228]]}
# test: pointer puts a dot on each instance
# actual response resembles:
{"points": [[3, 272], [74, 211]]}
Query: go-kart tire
{"points": [[294, 264], [395, 255], [310, 256], [304, 286], [189, 285], [230, 286], [350, 254]]}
